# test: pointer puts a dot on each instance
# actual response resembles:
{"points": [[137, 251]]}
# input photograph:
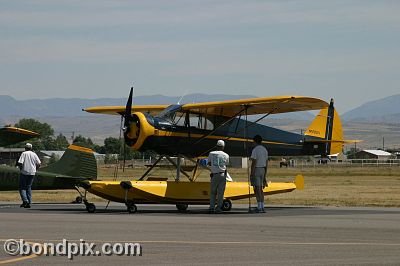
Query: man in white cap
{"points": [[28, 163], [217, 160]]}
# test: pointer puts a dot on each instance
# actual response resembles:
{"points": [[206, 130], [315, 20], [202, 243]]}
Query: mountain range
{"points": [[382, 110]]}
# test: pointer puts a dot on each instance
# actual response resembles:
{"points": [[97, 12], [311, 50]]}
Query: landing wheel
{"points": [[181, 207], [90, 207], [78, 199], [132, 208], [226, 205]]}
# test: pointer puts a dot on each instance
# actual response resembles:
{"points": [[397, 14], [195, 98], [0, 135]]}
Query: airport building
{"points": [[374, 154], [10, 156]]}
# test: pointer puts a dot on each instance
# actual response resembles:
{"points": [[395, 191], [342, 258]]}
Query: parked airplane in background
{"points": [[12, 135], [191, 131], [77, 164]]}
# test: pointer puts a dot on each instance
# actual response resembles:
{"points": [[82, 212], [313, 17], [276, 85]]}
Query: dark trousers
{"points": [[25, 187]]}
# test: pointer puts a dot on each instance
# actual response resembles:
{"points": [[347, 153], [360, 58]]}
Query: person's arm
{"points": [[19, 165], [265, 175], [38, 162], [20, 162], [253, 166]]}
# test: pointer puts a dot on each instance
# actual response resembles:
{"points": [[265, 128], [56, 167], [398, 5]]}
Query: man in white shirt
{"points": [[217, 160], [28, 163], [259, 163]]}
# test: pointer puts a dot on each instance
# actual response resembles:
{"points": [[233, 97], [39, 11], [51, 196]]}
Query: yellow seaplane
{"points": [[192, 130]]}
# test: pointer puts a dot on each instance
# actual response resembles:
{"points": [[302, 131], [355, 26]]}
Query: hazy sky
{"points": [[348, 50]]}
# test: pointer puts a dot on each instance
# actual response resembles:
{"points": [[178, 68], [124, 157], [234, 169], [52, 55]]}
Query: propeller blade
{"points": [[128, 108]]}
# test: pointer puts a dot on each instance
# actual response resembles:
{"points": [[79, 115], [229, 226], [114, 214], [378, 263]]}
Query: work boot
{"points": [[27, 205], [23, 204], [218, 211]]}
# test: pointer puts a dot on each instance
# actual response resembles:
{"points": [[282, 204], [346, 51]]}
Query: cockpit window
{"points": [[200, 121], [169, 113]]}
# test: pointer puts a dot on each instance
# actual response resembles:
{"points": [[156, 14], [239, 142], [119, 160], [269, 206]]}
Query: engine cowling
{"points": [[138, 130]]}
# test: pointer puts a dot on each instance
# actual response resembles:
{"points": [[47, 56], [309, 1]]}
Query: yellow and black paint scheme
{"points": [[76, 164], [192, 130], [171, 192]]}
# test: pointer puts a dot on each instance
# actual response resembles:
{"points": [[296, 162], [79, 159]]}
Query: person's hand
{"points": [[265, 183]]}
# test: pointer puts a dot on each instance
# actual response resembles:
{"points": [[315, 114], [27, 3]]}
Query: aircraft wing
{"points": [[262, 105], [229, 108], [119, 110], [12, 135]]}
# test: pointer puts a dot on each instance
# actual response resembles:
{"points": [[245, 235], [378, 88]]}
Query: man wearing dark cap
{"points": [[259, 163], [28, 163], [217, 160]]}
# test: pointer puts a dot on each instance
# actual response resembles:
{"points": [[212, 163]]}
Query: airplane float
{"points": [[192, 130]]}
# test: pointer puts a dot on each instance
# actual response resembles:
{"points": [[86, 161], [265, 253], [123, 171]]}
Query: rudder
{"points": [[326, 128]]}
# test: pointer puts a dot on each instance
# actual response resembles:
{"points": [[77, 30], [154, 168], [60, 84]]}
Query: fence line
{"points": [[349, 163]]}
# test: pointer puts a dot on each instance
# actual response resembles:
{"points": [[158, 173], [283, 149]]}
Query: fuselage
{"points": [[197, 139], [9, 180]]}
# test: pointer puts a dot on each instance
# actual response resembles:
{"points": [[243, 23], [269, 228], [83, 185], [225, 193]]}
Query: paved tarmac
{"points": [[284, 235]]}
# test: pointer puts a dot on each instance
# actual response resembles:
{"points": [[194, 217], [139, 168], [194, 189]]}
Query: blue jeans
{"points": [[25, 187]]}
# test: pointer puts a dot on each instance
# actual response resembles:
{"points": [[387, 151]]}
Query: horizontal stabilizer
{"points": [[299, 182], [332, 141]]}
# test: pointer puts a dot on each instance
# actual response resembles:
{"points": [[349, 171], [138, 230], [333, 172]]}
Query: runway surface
{"points": [[284, 235]]}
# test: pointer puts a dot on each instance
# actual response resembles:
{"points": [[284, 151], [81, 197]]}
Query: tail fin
{"points": [[77, 162], [326, 131]]}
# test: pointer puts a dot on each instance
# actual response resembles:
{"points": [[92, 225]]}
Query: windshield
{"points": [[169, 112]]}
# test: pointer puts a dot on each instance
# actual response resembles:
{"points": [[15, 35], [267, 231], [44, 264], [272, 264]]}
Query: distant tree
{"points": [[61, 142], [112, 145], [108, 159], [45, 140], [351, 153], [86, 142], [43, 129]]}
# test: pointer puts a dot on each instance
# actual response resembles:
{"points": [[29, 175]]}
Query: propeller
{"points": [[126, 120], [128, 111]]}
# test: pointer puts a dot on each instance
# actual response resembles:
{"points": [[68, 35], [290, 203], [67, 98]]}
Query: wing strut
{"points": [[264, 116], [151, 168], [223, 124]]}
